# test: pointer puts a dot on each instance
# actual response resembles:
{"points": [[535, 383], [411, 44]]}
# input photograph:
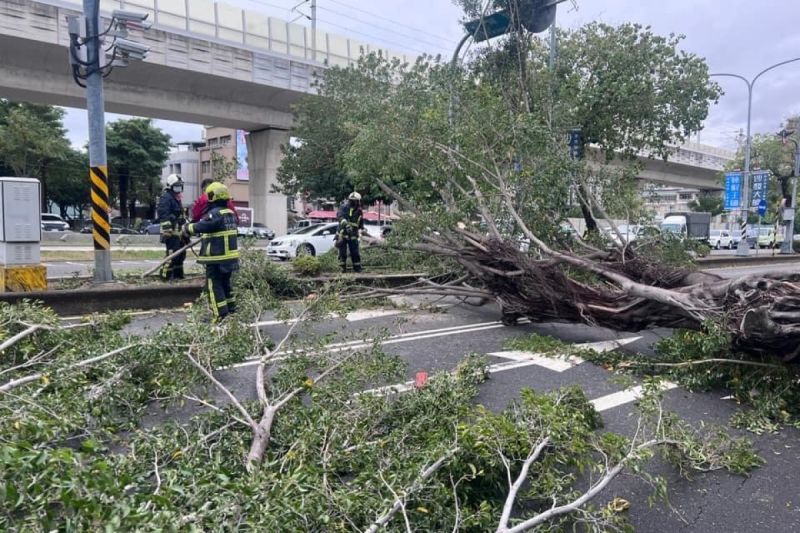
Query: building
{"points": [[230, 147], [662, 200], [185, 161]]}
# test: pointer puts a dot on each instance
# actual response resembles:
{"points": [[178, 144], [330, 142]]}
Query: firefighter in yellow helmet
{"points": [[218, 249]]}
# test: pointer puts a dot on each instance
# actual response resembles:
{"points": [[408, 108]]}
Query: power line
{"points": [[370, 13], [384, 28], [374, 37]]}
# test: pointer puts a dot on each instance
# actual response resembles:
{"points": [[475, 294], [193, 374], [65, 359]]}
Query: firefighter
{"points": [[351, 222], [172, 219], [201, 204], [218, 249]]}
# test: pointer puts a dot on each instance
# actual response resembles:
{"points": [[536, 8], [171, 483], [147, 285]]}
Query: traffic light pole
{"points": [[98, 171]]}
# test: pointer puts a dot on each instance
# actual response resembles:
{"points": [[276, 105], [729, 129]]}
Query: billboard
{"points": [[242, 171], [245, 217]]}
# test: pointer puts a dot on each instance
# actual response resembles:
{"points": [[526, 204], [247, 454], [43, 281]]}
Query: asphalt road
{"points": [[767, 501]]}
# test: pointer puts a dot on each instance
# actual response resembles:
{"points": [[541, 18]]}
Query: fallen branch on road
{"points": [[170, 257]]}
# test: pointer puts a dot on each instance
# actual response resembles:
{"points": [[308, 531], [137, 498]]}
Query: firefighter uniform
{"points": [[351, 222], [171, 217], [218, 250]]}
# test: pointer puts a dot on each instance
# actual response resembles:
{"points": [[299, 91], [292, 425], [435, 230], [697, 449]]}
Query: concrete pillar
{"points": [[263, 159]]}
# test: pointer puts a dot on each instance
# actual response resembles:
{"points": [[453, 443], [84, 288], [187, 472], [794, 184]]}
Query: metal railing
{"points": [[218, 21]]}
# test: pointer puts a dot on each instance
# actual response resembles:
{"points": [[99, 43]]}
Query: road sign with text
{"points": [[733, 191], [760, 188]]}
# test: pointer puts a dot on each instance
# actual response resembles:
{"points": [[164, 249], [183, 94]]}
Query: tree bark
{"points": [[761, 313]]}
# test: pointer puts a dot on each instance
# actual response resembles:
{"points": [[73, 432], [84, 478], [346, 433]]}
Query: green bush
{"points": [[307, 265]]}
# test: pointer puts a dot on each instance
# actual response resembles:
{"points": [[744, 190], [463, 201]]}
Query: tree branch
{"points": [[415, 487]]}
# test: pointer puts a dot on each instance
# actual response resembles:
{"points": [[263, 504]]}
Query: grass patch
{"points": [[55, 256]]}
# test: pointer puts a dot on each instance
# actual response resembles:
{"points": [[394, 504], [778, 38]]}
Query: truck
{"points": [[688, 225]]}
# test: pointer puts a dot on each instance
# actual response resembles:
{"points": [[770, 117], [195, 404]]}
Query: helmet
{"points": [[174, 183], [217, 191], [354, 196]]}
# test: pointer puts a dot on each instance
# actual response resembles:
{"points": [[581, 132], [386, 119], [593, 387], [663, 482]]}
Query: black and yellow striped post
{"points": [[98, 169], [101, 226]]}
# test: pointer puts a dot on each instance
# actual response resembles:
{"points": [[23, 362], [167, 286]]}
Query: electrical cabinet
{"points": [[20, 221]]}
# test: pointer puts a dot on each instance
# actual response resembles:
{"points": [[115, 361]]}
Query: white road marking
{"points": [[610, 401], [355, 316], [396, 339], [562, 363]]}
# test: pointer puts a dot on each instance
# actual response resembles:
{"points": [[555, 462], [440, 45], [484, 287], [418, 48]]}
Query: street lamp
{"points": [[787, 247], [743, 248]]}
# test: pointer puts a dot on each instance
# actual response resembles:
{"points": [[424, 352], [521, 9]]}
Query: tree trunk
{"points": [[123, 194], [586, 210], [761, 313]]}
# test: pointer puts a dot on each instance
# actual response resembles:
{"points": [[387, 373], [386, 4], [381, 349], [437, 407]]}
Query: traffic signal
{"points": [[533, 15], [537, 15]]}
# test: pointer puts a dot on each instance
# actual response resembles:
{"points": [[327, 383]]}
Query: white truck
{"points": [[696, 226]]}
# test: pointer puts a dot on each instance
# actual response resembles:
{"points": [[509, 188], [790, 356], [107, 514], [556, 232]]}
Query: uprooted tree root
{"points": [[621, 290]]}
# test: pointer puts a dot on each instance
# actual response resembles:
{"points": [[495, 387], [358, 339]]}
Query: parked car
{"points": [[115, 230], [152, 229], [767, 238], [262, 232], [311, 240], [720, 238], [52, 222]]}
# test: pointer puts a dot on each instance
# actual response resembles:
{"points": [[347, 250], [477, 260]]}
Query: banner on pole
{"points": [[733, 191]]}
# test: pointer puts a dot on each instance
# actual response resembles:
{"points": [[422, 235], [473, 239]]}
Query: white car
{"points": [[720, 238], [312, 240], [51, 222]]}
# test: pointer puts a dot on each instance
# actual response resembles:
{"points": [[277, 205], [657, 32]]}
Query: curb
{"points": [[733, 261], [104, 298]]}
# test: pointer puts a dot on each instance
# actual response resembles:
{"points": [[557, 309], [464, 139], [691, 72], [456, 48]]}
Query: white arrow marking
{"points": [[604, 403], [560, 363]]}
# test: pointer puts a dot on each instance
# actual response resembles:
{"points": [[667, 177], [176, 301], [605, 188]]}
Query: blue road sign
{"points": [[762, 208], [733, 191], [760, 188]]}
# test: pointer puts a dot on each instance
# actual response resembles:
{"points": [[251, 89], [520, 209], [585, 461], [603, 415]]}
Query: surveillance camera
{"points": [[129, 16], [131, 49]]}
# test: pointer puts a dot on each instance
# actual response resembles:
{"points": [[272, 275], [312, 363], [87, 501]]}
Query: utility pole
{"points": [[553, 44], [87, 57], [314, 30], [98, 173]]}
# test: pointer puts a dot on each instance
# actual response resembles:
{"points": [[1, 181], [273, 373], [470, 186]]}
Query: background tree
{"points": [[223, 170], [32, 141], [707, 202], [68, 186], [137, 151]]}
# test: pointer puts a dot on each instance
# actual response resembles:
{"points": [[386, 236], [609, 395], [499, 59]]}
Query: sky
{"points": [[735, 36]]}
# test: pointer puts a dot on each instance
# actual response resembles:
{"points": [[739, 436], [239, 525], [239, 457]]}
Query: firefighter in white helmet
{"points": [[351, 223], [171, 218]]}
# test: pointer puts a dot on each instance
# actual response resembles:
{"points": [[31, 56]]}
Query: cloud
{"points": [[76, 124]]}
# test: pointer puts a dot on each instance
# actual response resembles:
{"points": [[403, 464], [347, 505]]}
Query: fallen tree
{"points": [[477, 157]]}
